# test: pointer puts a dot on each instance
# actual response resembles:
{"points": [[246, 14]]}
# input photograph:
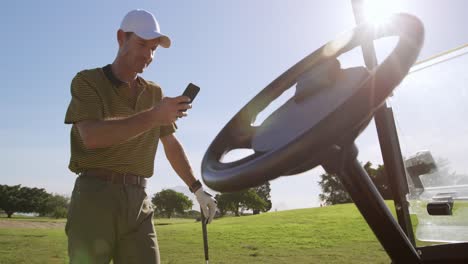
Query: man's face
{"points": [[137, 52]]}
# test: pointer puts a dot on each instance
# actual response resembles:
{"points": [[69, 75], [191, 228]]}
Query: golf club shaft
{"points": [[205, 235]]}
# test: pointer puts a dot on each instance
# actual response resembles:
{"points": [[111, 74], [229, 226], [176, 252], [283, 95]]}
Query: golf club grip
{"points": [[205, 235]]}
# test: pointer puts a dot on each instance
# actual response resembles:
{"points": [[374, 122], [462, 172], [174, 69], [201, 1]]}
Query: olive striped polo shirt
{"points": [[98, 95]]}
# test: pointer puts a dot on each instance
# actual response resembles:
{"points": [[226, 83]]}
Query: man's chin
{"points": [[141, 70]]}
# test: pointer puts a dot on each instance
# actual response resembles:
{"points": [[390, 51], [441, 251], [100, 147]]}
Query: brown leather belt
{"points": [[115, 177]]}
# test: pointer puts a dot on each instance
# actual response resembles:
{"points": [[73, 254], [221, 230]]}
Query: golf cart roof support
{"points": [[388, 138], [342, 162]]}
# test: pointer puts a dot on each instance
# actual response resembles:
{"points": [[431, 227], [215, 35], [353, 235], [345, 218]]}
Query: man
{"points": [[118, 119]]}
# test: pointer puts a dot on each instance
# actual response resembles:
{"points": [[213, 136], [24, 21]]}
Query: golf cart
{"points": [[329, 110]]}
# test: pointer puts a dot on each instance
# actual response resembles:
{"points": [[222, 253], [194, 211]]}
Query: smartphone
{"points": [[191, 91]]}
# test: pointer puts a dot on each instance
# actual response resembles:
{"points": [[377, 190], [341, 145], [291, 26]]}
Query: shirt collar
{"points": [[110, 75], [114, 80]]}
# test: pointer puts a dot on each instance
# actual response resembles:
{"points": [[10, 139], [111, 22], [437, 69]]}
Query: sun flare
{"points": [[378, 10]]}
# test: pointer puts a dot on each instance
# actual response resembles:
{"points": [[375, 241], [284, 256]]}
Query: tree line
{"points": [[23, 199], [167, 203]]}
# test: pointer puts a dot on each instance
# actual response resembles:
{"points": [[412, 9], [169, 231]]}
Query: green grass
{"points": [[334, 234], [33, 246]]}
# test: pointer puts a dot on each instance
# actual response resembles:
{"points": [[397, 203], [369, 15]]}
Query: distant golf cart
{"points": [[318, 126]]}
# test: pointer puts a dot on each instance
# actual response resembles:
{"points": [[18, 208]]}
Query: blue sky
{"points": [[231, 49]]}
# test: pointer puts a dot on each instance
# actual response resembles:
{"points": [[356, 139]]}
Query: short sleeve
{"points": [[167, 130], [85, 103], [164, 130]]}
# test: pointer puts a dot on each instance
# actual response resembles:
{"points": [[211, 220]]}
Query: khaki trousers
{"points": [[109, 221]]}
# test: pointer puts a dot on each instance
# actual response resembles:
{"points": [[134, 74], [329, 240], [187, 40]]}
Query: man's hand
{"points": [[207, 203], [169, 109]]}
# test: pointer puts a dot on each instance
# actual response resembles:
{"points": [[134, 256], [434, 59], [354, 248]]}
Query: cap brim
{"points": [[165, 40]]}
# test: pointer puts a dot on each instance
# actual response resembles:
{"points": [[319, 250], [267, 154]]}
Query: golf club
{"points": [[205, 235]]}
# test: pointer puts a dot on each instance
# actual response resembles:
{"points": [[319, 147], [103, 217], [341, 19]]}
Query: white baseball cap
{"points": [[144, 25]]}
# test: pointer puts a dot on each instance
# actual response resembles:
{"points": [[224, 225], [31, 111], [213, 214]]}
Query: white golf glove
{"points": [[207, 203]]}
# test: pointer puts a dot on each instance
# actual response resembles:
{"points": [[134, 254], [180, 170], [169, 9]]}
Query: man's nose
{"points": [[148, 54]]}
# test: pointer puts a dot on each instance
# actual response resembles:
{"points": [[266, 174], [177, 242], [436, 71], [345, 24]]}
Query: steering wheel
{"points": [[296, 136]]}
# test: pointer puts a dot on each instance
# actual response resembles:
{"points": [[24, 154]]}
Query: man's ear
{"points": [[120, 37]]}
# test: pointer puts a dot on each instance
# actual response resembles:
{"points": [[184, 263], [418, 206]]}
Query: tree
{"points": [[237, 201], [380, 179], [253, 201], [55, 206], [9, 200], [22, 199], [225, 203], [168, 202], [263, 192], [333, 191]]}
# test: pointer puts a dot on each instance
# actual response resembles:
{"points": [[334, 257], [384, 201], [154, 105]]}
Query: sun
{"points": [[377, 11]]}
